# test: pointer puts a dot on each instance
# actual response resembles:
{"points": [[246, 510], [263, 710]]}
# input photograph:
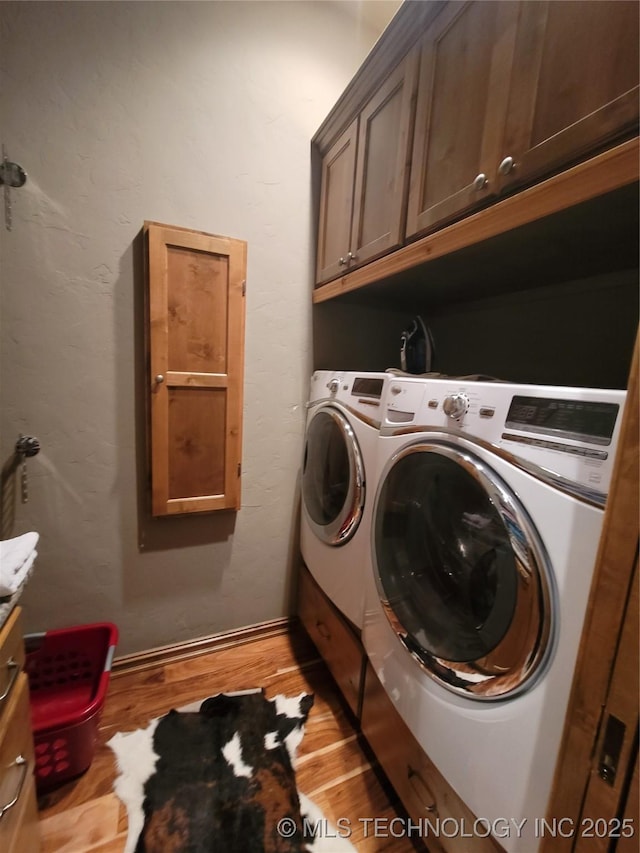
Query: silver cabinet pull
{"points": [[352, 256], [507, 166], [343, 262], [480, 182], [23, 765], [14, 669], [159, 379]]}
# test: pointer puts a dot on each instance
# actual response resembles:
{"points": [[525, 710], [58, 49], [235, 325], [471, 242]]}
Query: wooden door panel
{"points": [[630, 815], [384, 149], [197, 439], [197, 306], [462, 97], [461, 64], [336, 205], [196, 356], [590, 55], [574, 83], [609, 777]]}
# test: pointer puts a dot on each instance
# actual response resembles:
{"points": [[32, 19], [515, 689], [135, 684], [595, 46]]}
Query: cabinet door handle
{"points": [[421, 790], [13, 668], [24, 766], [507, 166], [352, 256], [322, 629], [343, 262], [480, 182]]}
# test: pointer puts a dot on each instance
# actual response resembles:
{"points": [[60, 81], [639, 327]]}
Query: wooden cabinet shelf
{"points": [[610, 177]]}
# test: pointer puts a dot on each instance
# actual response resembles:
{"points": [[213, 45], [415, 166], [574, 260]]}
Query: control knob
{"points": [[333, 385], [455, 405]]}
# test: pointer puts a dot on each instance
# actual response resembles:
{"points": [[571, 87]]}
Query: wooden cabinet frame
{"points": [[606, 675], [195, 336], [618, 167]]}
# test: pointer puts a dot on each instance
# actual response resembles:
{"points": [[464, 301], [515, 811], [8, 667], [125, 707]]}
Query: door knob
{"points": [[159, 379]]}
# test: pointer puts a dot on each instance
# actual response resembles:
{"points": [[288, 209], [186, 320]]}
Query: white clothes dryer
{"points": [[342, 427], [485, 530]]}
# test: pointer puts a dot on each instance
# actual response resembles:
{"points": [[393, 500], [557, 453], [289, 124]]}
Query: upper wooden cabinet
{"points": [[510, 91], [462, 100], [364, 179], [574, 83], [195, 306], [508, 94]]}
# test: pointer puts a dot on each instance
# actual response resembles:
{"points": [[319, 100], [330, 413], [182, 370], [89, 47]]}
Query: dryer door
{"points": [[332, 477], [461, 572]]}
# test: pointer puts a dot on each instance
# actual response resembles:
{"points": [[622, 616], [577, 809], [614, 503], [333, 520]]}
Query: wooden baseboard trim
{"points": [[204, 645]]}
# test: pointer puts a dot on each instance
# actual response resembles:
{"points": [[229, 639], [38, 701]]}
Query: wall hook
{"points": [[26, 446], [11, 175]]}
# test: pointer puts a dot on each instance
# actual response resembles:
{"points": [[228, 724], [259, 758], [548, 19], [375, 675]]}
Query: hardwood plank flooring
{"points": [[333, 769]]}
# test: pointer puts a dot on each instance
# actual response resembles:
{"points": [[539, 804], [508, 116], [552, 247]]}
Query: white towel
{"points": [[17, 556]]}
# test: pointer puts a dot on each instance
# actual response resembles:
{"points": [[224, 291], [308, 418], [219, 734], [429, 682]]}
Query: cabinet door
{"points": [[382, 169], [336, 205], [196, 347], [574, 83], [462, 97]]}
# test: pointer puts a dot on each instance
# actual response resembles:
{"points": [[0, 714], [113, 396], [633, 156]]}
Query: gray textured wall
{"points": [[198, 115]]}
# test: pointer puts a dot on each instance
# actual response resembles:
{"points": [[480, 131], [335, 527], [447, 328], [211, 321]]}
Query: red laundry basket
{"points": [[68, 673]]}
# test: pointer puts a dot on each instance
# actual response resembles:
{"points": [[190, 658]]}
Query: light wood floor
{"points": [[85, 816]]}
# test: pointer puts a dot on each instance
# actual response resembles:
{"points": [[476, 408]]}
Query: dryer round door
{"points": [[332, 477], [462, 574]]}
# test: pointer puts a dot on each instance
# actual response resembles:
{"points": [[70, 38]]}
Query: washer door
{"points": [[462, 574], [332, 477]]}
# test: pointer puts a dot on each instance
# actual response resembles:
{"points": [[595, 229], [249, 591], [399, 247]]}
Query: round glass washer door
{"points": [[333, 485], [462, 574]]}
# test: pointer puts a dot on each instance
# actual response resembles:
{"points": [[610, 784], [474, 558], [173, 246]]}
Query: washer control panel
{"points": [[572, 432]]}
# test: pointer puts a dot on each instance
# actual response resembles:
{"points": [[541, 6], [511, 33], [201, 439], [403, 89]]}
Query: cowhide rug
{"points": [[217, 776]]}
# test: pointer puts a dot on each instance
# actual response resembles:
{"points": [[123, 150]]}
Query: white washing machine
{"points": [[485, 529], [342, 427]]}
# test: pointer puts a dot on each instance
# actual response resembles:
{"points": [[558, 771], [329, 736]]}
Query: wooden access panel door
{"points": [[574, 83], [196, 285]]}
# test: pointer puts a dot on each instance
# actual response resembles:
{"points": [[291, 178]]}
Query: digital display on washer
{"points": [[575, 419], [367, 386]]}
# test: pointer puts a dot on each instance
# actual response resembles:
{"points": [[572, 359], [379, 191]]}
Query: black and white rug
{"points": [[218, 775]]}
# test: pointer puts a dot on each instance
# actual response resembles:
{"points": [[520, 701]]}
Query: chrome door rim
{"points": [[488, 679], [342, 528]]}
